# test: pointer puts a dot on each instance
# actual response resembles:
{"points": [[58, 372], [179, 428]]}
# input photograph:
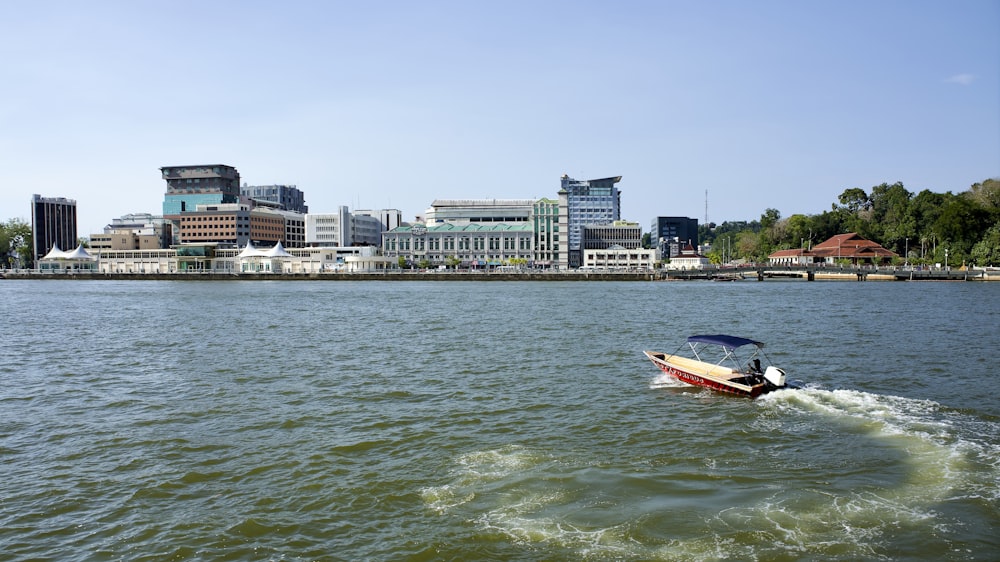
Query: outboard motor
{"points": [[775, 376]]}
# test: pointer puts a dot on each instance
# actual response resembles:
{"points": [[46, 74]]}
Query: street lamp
{"points": [[946, 259]]}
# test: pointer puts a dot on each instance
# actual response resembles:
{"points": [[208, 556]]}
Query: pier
{"points": [[835, 273]]}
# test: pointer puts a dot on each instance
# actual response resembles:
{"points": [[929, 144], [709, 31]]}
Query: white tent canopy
{"points": [[57, 259]]}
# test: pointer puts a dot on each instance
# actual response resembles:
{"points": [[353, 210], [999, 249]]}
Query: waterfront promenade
{"points": [[835, 273], [740, 273]]}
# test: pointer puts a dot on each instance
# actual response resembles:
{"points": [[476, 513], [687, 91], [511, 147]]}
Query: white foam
{"points": [[666, 381]]}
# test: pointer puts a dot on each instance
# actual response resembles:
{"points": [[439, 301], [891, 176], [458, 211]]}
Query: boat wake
{"points": [[911, 473], [946, 465]]}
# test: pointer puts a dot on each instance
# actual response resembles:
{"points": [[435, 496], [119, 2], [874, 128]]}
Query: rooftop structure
{"points": [[478, 211], [286, 197]]}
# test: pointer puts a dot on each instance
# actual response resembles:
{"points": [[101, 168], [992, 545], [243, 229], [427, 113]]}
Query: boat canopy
{"points": [[730, 342]]}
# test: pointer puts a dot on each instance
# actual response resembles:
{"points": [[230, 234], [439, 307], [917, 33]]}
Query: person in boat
{"points": [[754, 367]]}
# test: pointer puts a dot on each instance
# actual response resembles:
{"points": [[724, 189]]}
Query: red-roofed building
{"points": [[848, 246]]}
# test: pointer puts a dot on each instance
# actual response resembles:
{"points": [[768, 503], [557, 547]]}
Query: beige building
{"points": [[234, 224], [124, 240]]}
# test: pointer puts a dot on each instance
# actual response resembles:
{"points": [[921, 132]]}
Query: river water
{"points": [[318, 420]]}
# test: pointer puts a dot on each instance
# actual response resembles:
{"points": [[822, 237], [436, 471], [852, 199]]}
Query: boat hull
{"points": [[705, 380]]}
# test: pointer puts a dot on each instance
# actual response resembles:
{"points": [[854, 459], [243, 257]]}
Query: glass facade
{"points": [[177, 203], [586, 202]]}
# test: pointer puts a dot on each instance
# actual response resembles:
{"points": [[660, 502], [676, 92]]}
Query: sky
{"points": [[717, 108]]}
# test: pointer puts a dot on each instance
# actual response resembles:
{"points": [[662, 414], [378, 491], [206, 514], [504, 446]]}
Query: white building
{"points": [[329, 229], [462, 212], [366, 230], [390, 218], [620, 258], [688, 259], [212, 258], [346, 229]]}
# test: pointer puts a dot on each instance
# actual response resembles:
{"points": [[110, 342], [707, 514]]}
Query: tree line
{"points": [[920, 227]]}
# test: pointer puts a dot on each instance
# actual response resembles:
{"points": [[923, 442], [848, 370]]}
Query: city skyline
{"points": [[391, 105]]}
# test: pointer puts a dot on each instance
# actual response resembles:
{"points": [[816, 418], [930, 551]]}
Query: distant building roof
{"points": [[498, 227], [842, 246], [482, 202]]}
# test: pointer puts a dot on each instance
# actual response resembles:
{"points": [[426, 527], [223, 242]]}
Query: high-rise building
{"points": [[53, 223], [190, 186], [670, 234], [545, 231], [205, 184], [590, 202], [287, 197]]}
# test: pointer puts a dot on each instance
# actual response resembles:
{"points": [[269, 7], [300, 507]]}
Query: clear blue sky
{"points": [[764, 104]]}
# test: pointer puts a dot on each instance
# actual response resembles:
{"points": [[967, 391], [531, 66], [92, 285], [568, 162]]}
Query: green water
{"points": [[493, 421]]}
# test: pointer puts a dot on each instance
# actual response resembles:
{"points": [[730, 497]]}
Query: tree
{"points": [[748, 245], [827, 224], [986, 194], [892, 222], [855, 200], [798, 231], [960, 225], [986, 252], [16, 244], [769, 218], [401, 262], [856, 209]]}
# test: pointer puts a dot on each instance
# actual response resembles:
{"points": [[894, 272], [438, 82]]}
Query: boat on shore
{"points": [[739, 369]]}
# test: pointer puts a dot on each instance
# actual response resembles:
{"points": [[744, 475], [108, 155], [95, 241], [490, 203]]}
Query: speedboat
{"points": [[738, 370]]}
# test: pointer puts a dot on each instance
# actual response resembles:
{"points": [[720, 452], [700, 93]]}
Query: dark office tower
{"points": [[673, 232], [53, 223]]}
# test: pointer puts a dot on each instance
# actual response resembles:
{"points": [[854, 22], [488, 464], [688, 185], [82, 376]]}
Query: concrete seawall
{"points": [[979, 275], [391, 276]]}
